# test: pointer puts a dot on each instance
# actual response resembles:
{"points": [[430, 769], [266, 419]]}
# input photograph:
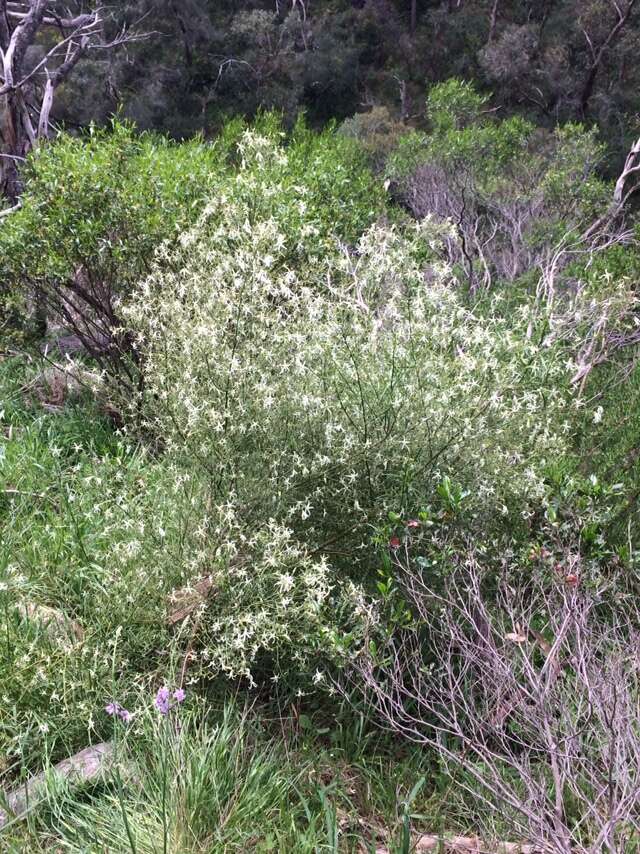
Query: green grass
{"points": [[610, 446], [96, 529], [186, 786], [202, 780]]}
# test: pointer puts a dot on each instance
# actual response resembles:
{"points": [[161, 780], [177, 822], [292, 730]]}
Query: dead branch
{"points": [[530, 700], [631, 167]]}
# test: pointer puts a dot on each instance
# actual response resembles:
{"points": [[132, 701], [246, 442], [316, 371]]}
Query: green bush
{"points": [[96, 207], [93, 210], [519, 196], [377, 131]]}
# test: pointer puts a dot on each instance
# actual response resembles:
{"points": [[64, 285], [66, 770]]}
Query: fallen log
{"points": [[449, 844], [87, 765]]}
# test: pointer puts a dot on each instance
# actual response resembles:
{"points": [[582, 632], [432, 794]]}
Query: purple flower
{"points": [[116, 710], [164, 697], [162, 701]]}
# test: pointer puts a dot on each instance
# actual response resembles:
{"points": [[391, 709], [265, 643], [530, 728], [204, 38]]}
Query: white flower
{"points": [[285, 582]]}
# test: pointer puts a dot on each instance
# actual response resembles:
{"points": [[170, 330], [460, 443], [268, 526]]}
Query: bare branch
{"points": [[8, 211], [631, 165], [532, 695]]}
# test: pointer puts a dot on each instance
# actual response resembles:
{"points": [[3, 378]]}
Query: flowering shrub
{"points": [[319, 388], [325, 395]]}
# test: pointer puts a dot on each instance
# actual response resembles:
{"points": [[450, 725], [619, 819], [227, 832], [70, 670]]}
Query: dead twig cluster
{"points": [[530, 697]]}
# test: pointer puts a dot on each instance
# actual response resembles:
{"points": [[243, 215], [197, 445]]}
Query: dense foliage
{"points": [[558, 60], [340, 423]]}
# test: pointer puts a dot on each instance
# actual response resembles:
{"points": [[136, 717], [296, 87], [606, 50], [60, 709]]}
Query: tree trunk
{"points": [[493, 20], [598, 53], [587, 89], [17, 137], [9, 148]]}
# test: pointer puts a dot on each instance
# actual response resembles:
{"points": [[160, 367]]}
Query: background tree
{"points": [[551, 61], [41, 43]]}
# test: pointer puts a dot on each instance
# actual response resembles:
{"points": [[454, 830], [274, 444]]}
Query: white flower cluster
{"points": [[323, 393], [355, 378], [277, 603]]}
